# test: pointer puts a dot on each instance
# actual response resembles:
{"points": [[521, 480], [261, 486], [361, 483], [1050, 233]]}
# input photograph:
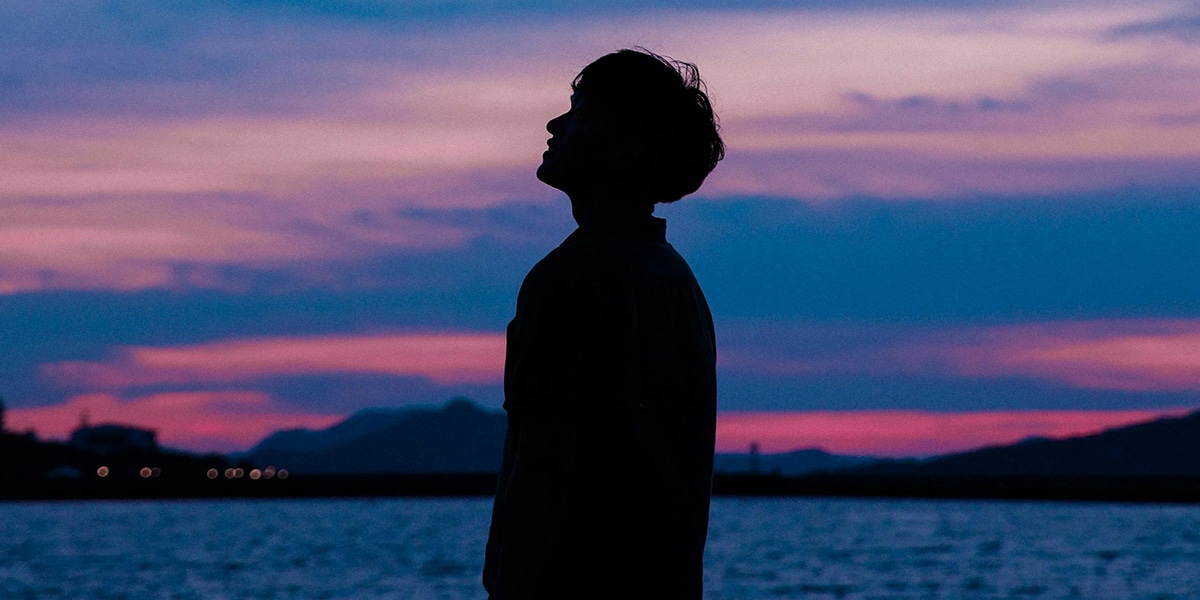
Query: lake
{"points": [[758, 548]]}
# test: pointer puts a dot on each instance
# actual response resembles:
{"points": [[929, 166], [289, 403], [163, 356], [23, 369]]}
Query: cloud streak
{"points": [[439, 357], [139, 241], [1127, 355], [1184, 27], [1162, 357]]}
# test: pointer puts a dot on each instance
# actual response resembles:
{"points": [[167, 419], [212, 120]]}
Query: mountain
{"points": [[797, 462], [359, 424], [459, 437], [1168, 446]]}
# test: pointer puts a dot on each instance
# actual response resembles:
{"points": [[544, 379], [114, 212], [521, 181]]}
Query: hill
{"points": [[459, 437], [1168, 446]]}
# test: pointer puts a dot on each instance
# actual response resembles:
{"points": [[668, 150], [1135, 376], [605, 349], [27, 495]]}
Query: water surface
{"points": [[758, 548]]}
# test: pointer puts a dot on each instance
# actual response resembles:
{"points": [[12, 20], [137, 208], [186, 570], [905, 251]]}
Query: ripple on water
{"points": [[758, 548]]}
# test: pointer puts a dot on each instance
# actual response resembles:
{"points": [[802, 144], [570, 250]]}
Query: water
{"points": [[758, 548]]}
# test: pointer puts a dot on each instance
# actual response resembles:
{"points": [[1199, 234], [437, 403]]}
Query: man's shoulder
{"points": [[569, 260], [554, 275], [555, 266]]}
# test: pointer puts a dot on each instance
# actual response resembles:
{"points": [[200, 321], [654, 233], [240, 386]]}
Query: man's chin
{"points": [[550, 176]]}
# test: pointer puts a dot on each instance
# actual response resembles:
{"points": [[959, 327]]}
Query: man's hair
{"points": [[663, 104]]}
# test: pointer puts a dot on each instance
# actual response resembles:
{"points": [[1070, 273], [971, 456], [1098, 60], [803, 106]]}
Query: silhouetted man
{"points": [[610, 373]]}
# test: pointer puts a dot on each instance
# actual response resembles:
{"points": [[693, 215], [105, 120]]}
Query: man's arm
{"points": [[535, 498], [544, 372], [497, 531]]}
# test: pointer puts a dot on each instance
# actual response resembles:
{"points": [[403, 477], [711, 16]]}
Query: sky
{"points": [[940, 225]]}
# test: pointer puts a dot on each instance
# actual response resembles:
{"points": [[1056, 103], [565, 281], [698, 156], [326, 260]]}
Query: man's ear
{"points": [[628, 158]]}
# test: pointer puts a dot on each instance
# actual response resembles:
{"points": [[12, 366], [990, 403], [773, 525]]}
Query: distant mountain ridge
{"points": [[361, 423], [1166, 446], [459, 437]]}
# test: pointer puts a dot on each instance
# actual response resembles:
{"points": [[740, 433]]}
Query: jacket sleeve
{"points": [[554, 359]]}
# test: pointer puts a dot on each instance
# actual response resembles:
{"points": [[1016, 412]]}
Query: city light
{"points": [[102, 471], [255, 474], [213, 473], [145, 472]]}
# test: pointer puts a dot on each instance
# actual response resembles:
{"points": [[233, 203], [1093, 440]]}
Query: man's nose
{"points": [[554, 126]]}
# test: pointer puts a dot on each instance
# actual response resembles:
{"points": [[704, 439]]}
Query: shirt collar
{"points": [[646, 227]]}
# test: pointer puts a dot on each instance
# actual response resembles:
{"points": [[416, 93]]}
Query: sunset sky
{"points": [[940, 224]]}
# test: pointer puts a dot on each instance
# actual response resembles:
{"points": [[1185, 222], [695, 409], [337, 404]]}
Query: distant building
{"points": [[113, 439]]}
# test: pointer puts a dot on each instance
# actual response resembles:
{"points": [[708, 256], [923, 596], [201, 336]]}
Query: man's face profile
{"points": [[583, 149]]}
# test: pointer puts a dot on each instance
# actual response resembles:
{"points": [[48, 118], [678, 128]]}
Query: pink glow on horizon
{"points": [[235, 420], [199, 421], [440, 357], [905, 433]]}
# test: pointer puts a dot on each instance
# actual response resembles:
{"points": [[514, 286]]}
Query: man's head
{"points": [[639, 124]]}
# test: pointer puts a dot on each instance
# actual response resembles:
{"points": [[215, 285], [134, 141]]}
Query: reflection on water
{"points": [[805, 548], [758, 548]]}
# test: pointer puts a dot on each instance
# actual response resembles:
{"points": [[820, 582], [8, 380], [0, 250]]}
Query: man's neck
{"points": [[587, 208]]}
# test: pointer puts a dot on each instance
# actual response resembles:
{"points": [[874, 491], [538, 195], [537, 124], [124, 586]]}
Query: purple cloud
{"points": [[1183, 27]]}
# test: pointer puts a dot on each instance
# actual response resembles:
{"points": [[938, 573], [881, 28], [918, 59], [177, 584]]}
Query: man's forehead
{"points": [[584, 103]]}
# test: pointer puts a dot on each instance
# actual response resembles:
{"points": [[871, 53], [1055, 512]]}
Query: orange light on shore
{"points": [[255, 474], [146, 472], [213, 473], [238, 473], [269, 472], [102, 471], [229, 473], [282, 474]]}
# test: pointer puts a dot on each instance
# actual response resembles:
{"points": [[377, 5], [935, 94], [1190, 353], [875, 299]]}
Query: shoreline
{"points": [[1081, 488]]}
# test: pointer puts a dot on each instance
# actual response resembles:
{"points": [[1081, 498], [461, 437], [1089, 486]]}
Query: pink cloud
{"points": [[906, 173], [441, 357], [278, 155], [1147, 355], [909, 433], [198, 421], [135, 241], [1123, 354], [1132, 362]]}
